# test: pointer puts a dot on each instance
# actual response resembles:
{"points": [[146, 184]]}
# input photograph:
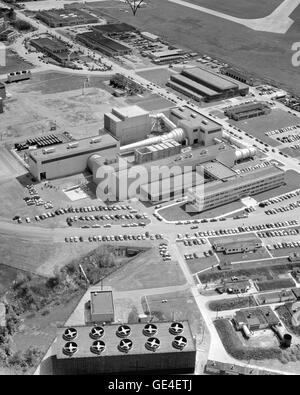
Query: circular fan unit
{"points": [[179, 342], [152, 344], [125, 345], [96, 332], [123, 331], [98, 347], [70, 348], [150, 330], [70, 334], [176, 328]]}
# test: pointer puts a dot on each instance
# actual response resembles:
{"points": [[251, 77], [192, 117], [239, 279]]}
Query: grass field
{"points": [[7, 276], [146, 271], [157, 76], [14, 63], [266, 54], [38, 257]]}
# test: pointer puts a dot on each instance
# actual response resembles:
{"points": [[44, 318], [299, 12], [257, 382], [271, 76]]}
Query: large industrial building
{"points": [[227, 190], [124, 348], [128, 124], [189, 155], [97, 41], [201, 84], [239, 75], [113, 28], [53, 48], [65, 17], [167, 56], [71, 158], [248, 110]]}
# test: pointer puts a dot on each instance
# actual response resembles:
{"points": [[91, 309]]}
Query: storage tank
{"points": [[286, 341], [246, 331], [94, 162]]}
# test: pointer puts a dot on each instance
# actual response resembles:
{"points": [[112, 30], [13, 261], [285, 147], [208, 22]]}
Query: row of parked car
{"points": [[283, 130], [282, 209], [291, 244], [109, 238], [110, 217], [277, 233], [281, 198]]}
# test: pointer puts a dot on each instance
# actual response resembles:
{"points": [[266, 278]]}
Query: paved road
{"points": [[278, 21]]}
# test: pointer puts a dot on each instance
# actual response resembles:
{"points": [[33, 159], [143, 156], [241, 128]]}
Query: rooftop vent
{"points": [[48, 150], [97, 347], [70, 334], [73, 145], [125, 345], [152, 344], [96, 332], [179, 342], [96, 140], [70, 348], [176, 328], [150, 330], [123, 331]]}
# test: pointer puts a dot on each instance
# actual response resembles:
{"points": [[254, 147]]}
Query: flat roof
{"points": [[61, 150], [66, 15], [96, 37], [218, 170], [258, 174], [50, 44], [170, 52], [187, 114], [183, 89], [115, 28], [210, 78], [102, 302], [194, 85], [130, 111], [150, 35], [112, 340]]}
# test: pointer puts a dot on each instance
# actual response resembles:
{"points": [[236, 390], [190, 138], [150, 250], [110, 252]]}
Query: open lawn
{"points": [[158, 76], [146, 271], [38, 257], [197, 265], [14, 63]]}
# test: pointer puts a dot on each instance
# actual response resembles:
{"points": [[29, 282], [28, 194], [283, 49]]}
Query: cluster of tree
{"points": [[96, 265], [21, 25], [121, 82]]}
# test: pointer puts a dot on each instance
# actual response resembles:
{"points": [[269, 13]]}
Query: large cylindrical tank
{"points": [[246, 331], [287, 340]]}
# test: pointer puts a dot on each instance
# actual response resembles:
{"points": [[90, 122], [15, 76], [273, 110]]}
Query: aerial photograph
{"points": [[150, 190]]}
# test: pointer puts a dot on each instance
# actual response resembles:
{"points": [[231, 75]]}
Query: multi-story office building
{"points": [[218, 193]]}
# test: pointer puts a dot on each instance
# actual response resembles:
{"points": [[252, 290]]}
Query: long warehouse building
{"points": [[209, 85]]}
